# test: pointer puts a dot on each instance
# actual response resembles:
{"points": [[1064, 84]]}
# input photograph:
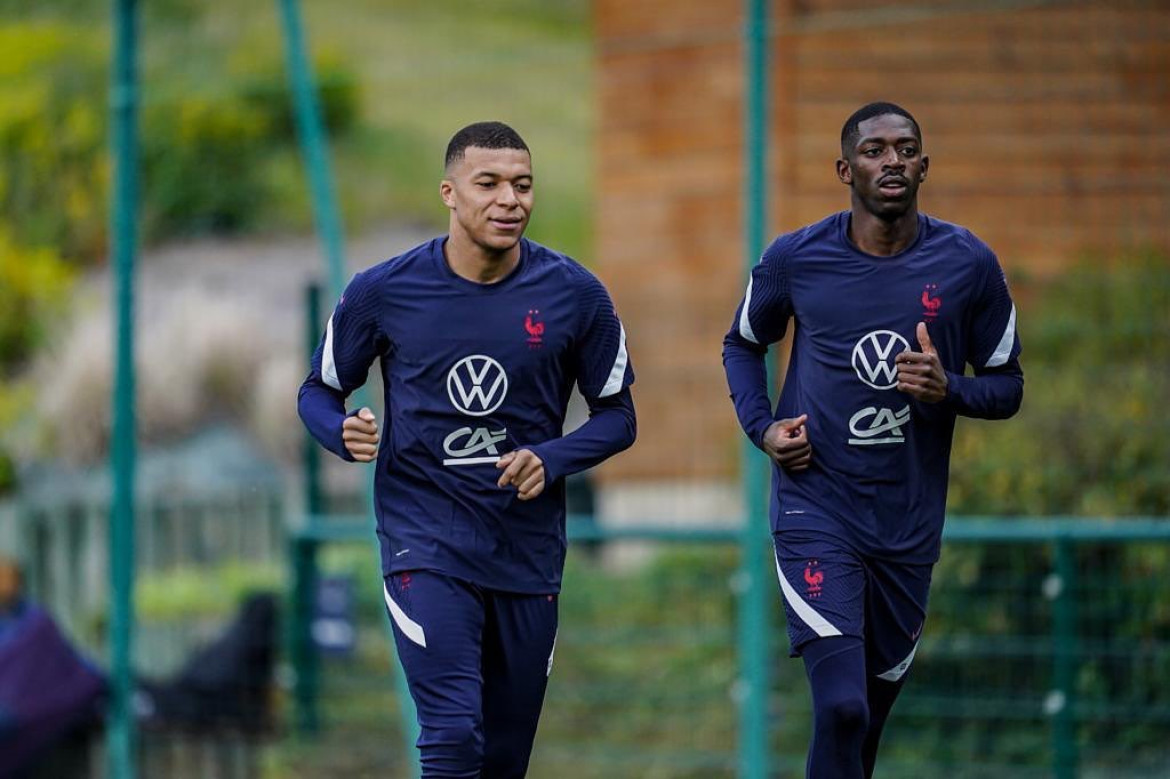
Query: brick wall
{"points": [[1046, 124]]}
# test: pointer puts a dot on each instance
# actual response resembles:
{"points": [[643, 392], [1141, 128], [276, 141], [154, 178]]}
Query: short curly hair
{"points": [[850, 131], [485, 135]]}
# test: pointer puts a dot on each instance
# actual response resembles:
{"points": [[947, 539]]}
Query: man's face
{"points": [[489, 193], [885, 167]]}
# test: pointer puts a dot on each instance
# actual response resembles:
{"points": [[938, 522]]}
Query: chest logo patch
{"points": [[477, 385], [873, 358], [878, 426], [535, 329], [931, 302]]}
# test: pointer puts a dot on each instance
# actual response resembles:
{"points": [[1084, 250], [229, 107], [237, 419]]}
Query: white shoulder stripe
{"points": [[745, 324], [821, 626], [328, 366], [617, 373], [408, 626], [1004, 350]]}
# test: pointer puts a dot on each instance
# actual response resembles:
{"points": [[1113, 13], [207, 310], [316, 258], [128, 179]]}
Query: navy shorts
{"points": [[477, 663], [831, 590]]}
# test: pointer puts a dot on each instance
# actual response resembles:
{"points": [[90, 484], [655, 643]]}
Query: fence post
{"points": [[1061, 704], [311, 455], [303, 551], [754, 630]]}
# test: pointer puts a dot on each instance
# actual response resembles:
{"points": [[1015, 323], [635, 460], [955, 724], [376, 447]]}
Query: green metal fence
{"points": [[1046, 653], [192, 542]]}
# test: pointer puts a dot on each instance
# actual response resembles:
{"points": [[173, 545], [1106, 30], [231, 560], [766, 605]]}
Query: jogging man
{"points": [[481, 335], [888, 307]]}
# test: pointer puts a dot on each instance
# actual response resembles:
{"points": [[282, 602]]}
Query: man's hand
{"points": [[360, 434], [920, 374], [786, 442], [523, 470]]}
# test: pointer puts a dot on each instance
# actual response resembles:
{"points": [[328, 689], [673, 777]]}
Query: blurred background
{"points": [[261, 646]]}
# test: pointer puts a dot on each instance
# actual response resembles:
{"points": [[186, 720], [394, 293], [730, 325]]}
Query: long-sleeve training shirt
{"points": [[471, 371], [880, 458]]}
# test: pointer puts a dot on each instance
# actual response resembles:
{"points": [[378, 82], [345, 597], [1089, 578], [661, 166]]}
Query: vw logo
{"points": [[477, 385], [873, 358]]}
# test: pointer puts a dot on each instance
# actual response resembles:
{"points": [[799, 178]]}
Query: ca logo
{"points": [[465, 442], [878, 426], [477, 385], [873, 358]]}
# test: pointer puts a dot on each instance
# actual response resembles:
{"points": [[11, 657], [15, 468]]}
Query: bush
{"points": [[1090, 438], [203, 165], [34, 291], [264, 85], [207, 155], [53, 164]]}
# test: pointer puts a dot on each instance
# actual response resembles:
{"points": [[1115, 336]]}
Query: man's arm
{"points": [[762, 319], [992, 393], [747, 379], [604, 375], [993, 350], [611, 428], [338, 367], [997, 388]]}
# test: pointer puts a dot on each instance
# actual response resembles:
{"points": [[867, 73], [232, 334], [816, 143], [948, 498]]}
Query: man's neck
{"points": [[881, 237], [473, 262]]}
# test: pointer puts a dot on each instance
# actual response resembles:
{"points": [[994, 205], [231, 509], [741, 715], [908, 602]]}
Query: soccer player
{"points": [[888, 307], [482, 335]]}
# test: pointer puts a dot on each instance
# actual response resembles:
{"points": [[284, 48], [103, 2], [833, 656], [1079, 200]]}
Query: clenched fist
{"points": [[360, 434]]}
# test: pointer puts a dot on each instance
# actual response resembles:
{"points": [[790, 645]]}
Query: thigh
{"points": [[823, 584], [519, 641], [438, 629], [896, 599]]}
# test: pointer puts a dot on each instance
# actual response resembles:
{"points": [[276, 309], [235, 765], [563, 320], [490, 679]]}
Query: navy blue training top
{"points": [[878, 477], [471, 371]]}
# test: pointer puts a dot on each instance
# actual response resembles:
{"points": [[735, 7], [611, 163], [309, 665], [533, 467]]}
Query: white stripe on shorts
{"points": [[899, 670]]}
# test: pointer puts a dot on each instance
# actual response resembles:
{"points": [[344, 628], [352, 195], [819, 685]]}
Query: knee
{"points": [[847, 715], [454, 749]]}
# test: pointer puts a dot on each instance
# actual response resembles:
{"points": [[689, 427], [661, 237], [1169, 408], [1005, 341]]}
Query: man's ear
{"points": [[844, 172], [925, 165], [446, 192]]}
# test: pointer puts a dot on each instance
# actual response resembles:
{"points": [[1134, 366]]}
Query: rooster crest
{"points": [[929, 303]]}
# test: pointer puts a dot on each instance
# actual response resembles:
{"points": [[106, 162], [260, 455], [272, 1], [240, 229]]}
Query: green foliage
{"points": [[34, 294], [202, 162], [209, 145], [1091, 436], [264, 85], [34, 287], [185, 593], [53, 167]]}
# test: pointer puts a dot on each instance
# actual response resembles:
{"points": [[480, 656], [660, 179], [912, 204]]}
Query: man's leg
{"points": [[896, 597], [438, 628], [880, 697], [823, 584], [836, 675], [519, 639]]}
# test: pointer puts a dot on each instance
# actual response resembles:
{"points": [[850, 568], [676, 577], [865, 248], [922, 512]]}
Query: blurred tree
{"points": [[1092, 436]]}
